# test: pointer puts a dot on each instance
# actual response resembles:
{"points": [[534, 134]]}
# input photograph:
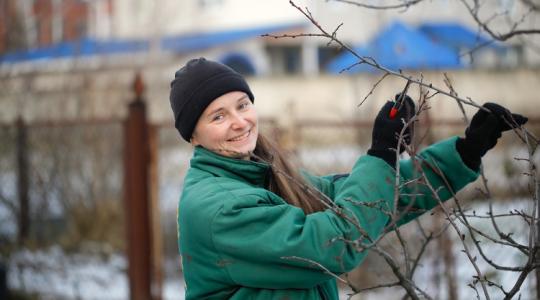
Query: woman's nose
{"points": [[238, 121]]}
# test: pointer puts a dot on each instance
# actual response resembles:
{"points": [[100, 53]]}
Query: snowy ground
{"points": [[54, 274]]}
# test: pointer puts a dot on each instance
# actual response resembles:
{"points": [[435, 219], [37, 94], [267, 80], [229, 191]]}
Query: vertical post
{"points": [[537, 271], [310, 60], [536, 181], [22, 181], [136, 197], [446, 246], [3, 281], [157, 274]]}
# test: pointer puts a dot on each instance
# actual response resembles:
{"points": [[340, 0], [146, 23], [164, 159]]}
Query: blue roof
{"points": [[399, 47], [456, 35], [203, 40], [178, 44], [83, 47]]}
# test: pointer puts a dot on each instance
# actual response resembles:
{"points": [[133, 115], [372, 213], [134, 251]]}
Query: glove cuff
{"points": [[389, 156], [468, 155]]}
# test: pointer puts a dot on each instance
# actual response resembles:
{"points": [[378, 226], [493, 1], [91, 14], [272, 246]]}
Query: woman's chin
{"points": [[242, 148], [241, 152]]}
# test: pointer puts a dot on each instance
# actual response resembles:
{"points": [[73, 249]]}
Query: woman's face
{"points": [[228, 126]]}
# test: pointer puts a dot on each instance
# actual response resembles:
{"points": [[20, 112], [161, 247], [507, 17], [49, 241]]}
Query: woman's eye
{"points": [[217, 117], [243, 105]]}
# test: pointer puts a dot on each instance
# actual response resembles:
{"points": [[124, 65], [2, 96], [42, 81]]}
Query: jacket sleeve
{"points": [[416, 199], [440, 158], [276, 246]]}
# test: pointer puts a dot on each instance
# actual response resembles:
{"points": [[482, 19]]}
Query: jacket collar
{"points": [[221, 166]]}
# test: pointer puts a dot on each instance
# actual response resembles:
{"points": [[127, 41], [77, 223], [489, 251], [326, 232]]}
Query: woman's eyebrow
{"points": [[221, 108], [242, 98], [214, 111]]}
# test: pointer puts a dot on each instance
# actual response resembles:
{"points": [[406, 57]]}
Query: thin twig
{"points": [[406, 4], [373, 88]]}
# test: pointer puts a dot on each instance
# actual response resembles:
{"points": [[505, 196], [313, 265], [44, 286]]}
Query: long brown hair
{"points": [[285, 181]]}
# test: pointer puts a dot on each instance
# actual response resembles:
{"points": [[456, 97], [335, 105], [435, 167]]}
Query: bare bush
{"points": [[476, 233]]}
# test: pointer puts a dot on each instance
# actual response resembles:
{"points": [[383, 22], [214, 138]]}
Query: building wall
{"points": [[57, 20], [40, 23], [75, 19], [98, 94], [30, 24], [145, 18], [139, 17], [49, 21], [10, 25], [142, 18]]}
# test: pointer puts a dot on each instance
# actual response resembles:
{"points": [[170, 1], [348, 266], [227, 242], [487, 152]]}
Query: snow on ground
{"points": [[501, 255], [57, 275], [54, 274], [464, 270]]}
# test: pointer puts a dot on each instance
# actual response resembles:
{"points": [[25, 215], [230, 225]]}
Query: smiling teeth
{"points": [[241, 137]]}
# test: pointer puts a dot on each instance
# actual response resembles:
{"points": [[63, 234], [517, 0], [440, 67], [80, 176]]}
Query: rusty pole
{"points": [[136, 197], [157, 244], [22, 180]]}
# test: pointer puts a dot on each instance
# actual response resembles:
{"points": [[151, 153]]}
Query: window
{"points": [[285, 59], [240, 63], [326, 55]]}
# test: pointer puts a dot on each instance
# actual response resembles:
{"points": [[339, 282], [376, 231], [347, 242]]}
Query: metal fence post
{"points": [[157, 244], [3, 281], [136, 197], [22, 180]]}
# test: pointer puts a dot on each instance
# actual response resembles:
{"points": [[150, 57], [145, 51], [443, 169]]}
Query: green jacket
{"points": [[237, 239]]}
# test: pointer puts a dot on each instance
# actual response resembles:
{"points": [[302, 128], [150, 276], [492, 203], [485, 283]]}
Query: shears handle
{"points": [[397, 105], [393, 113]]}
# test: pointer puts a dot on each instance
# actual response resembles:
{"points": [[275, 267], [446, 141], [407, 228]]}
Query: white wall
{"points": [[105, 93], [156, 18], [138, 18]]}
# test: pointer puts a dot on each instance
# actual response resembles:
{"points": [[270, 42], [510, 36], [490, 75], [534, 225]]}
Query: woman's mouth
{"points": [[240, 137]]}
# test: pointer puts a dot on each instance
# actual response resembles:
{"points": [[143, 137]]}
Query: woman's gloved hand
{"points": [[484, 131], [386, 130]]}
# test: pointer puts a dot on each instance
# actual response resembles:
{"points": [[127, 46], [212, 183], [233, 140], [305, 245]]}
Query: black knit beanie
{"points": [[196, 85]]}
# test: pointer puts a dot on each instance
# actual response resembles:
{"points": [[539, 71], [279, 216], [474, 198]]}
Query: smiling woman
{"points": [[252, 227], [228, 126], [213, 110]]}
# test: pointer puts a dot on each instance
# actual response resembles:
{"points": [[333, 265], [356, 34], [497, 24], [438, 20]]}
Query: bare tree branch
{"points": [[363, 59], [474, 12], [373, 88], [530, 3], [405, 4]]}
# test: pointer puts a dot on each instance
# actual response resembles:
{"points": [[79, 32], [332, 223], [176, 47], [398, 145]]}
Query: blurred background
{"points": [[91, 167]]}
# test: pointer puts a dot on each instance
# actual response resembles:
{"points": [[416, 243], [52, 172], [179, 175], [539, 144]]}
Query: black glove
{"points": [[484, 131], [386, 130]]}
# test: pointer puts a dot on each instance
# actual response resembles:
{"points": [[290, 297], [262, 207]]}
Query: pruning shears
{"points": [[399, 101]]}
